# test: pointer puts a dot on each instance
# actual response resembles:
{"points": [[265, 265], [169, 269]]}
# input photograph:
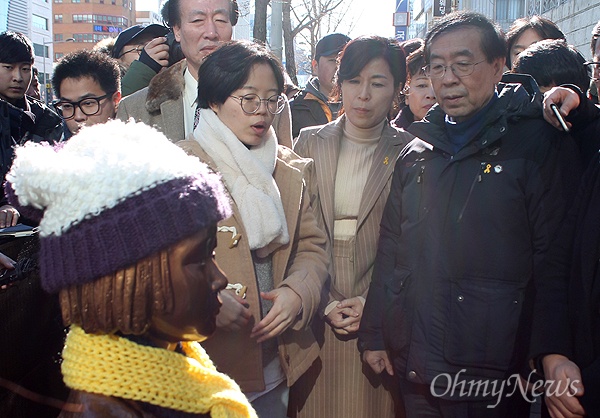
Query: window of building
{"points": [[58, 18], [58, 37], [509, 10], [75, 1], [39, 22], [85, 37], [57, 1], [40, 50], [58, 55]]}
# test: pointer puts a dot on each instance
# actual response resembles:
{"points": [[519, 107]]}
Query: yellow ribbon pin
{"points": [[386, 160], [487, 169]]}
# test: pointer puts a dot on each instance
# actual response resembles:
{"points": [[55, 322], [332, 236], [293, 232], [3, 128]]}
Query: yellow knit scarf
{"points": [[114, 366]]}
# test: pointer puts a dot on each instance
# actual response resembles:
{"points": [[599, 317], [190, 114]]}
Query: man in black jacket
{"points": [[312, 107], [22, 118], [566, 336], [475, 201]]}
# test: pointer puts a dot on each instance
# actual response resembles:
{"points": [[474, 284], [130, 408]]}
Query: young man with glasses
{"points": [[474, 204], [88, 87]]}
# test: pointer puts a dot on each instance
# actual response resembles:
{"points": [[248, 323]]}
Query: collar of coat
{"points": [[513, 103], [166, 85]]}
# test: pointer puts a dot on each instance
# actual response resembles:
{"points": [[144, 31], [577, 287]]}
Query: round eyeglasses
{"points": [[593, 70], [459, 69], [89, 106], [250, 103]]}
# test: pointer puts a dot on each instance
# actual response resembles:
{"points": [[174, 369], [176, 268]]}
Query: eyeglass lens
{"points": [[251, 103], [89, 106]]}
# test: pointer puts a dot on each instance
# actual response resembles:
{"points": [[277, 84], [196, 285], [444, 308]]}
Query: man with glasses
{"points": [[169, 101], [88, 87], [475, 202], [594, 65]]}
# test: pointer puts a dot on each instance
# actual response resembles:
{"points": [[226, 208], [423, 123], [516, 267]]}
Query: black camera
{"points": [[175, 54]]}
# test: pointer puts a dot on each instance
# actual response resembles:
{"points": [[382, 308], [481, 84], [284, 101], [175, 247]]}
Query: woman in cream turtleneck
{"points": [[354, 160]]}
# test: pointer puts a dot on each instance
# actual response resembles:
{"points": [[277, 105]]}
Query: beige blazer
{"points": [[322, 144], [301, 265]]}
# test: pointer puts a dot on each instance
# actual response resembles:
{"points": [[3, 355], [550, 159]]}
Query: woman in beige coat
{"points": [[271, 248], [354, 160]]}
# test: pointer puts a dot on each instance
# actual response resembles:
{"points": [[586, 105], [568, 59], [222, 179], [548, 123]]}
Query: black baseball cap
{"points": [[137, 31], [330, 44]]}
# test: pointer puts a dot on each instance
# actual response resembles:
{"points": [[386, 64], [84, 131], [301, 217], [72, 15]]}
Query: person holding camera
{"points": [[142, 51], [169, 102]]}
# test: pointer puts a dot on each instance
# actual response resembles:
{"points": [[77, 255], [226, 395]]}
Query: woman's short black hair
{"points": [[361, 51], [15, 47], [228, 69]]}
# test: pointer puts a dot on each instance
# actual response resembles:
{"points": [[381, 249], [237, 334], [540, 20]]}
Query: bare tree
{"points": [[260, 20], [311, 18]]}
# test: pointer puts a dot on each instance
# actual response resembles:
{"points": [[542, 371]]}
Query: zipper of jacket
{"points": [[476, 180], [420, 182]]}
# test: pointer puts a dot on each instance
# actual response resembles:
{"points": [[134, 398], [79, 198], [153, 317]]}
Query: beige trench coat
{"points": [[301, 265]]}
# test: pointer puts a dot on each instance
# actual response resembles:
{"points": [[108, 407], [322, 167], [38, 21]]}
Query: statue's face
{"points": [[196, 281]]}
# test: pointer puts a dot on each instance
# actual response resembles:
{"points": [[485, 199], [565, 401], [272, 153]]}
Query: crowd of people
{"points": [[413, 234]]}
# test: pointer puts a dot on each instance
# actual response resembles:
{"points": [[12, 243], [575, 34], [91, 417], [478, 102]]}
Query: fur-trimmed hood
{"points": [[166, 85]]}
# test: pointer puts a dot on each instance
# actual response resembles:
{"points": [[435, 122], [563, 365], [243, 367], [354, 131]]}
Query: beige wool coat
{"points": [[160, 105], [342, 386], [301, 264]]}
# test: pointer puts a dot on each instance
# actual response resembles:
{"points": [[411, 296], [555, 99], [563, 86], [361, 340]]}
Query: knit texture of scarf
{"points": [[115, 366], [248, 174]]}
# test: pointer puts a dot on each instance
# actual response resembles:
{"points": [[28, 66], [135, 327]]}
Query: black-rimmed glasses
{"points": [[459, 69], [593, 70], [250, 103], [89, 106]]}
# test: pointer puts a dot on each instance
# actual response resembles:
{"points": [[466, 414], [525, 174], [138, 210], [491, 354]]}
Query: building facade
{"points": [[88, 21], [33, 18], [576, 18]]}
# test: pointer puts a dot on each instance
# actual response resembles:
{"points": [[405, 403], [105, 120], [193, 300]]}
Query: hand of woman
{"points": [[9, 216], [345, 317], [286, 306], [234, 313]]}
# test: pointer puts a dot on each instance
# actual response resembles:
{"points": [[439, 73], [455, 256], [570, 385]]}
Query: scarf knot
{"points": [[248, 175]]}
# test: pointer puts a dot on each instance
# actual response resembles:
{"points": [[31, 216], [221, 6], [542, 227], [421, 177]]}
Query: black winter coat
{"points": [[463, 237], [308, 108], [567, 315], [33, 121]]}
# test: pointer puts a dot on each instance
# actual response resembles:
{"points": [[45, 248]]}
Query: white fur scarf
{"points": [[248, 174]]}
